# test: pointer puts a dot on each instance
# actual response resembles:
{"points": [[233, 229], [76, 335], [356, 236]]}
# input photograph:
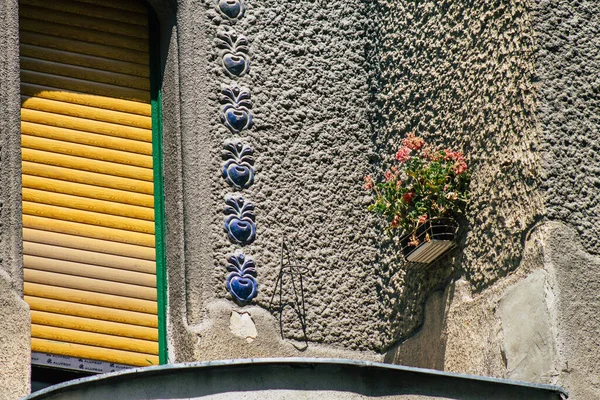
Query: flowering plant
{"points": [[426, 184]]}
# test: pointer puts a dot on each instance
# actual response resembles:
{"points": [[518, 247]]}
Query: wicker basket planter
{"points": [[433, 239]]}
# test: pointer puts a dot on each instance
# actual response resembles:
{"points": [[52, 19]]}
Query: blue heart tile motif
{"points": [[234, 53], [236, 114], [235, 64], [241, 281], [238, 169], [239, 220], [232, 9]]}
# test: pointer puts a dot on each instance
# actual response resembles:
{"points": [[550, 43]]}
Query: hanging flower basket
{"points": [[420, 196], [430, 240]]}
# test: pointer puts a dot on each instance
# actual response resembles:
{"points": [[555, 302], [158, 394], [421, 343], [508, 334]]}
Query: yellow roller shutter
{"points": [[88, 205]]}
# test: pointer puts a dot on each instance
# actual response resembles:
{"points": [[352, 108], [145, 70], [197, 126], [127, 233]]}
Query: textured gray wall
{"points": [[461, 75], [15, 347], [568, 65], [312, 140]]}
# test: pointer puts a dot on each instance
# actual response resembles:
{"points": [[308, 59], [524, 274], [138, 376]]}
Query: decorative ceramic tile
{"points": [[239, 220], [238, 169], [232, 9], [236, 114], [241, 281], [234, 53]]}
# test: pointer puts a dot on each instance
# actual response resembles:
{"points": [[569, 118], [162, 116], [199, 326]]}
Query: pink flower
{"points": [[460, 167], [398, 185], [408, 197], [403, 154], [412, 142], [389, 176], [454, 155], [422, 219], [368, 183]]}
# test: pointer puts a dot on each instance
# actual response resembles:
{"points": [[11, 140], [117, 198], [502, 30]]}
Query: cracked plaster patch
{"points": [[241, 325]]}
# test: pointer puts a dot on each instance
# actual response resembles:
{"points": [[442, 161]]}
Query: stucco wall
{"points": [[568, 67], [15, 349], [312, 143], [460, 74]]}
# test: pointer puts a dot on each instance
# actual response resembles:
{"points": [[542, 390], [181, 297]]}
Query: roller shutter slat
{"points": [[90, 178], [119, 5], [84, 73], [93, 325], [88, 257], [86, 99], [88, 311], [86, 138], [88, 191], [97, 24], [92, 352], [86, 164], [85, 35], [91, 298], [95, 11], [87, 217], [89, 113], [85, 48], [97, 88], [86, 230], [88, 205], [89, 271], [83, 60], [88, 244], [94, 339], [86, 125], [85, 151], [89, 284]]}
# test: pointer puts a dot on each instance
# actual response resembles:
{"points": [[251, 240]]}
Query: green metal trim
{"points": [[159, 204]]}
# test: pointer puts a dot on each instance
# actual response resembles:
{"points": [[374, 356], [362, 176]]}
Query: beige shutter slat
{"points": [[92, 192], [82, 21], [92, 352], [88, 205], [58, 307], [88, 257], [88, 178], [84, 73], [91, 298], [101, 102], [85, 35], [93, 113], [86, 138], [85, 151], [86, 230], [85, 164], [89, 284], [88, 244], [93, 325], [94, 11], [86, 125], [76, 84], [89, 271], [119, 5]]}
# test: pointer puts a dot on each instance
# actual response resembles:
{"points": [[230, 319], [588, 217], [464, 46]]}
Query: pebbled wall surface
{"points": [[461, 75], [568, 64], [312, 139]]}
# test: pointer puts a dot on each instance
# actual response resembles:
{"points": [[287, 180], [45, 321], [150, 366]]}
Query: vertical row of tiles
{"points": [[238, 166]]}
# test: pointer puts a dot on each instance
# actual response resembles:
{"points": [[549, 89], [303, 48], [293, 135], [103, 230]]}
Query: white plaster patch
{"points": [[241, 325]]}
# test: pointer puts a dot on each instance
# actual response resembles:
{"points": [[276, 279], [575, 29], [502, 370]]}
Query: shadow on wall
{"points": [[461, 75], [427, 347]]}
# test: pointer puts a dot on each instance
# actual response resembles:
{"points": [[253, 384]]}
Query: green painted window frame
{"points": [[157, 158]]}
